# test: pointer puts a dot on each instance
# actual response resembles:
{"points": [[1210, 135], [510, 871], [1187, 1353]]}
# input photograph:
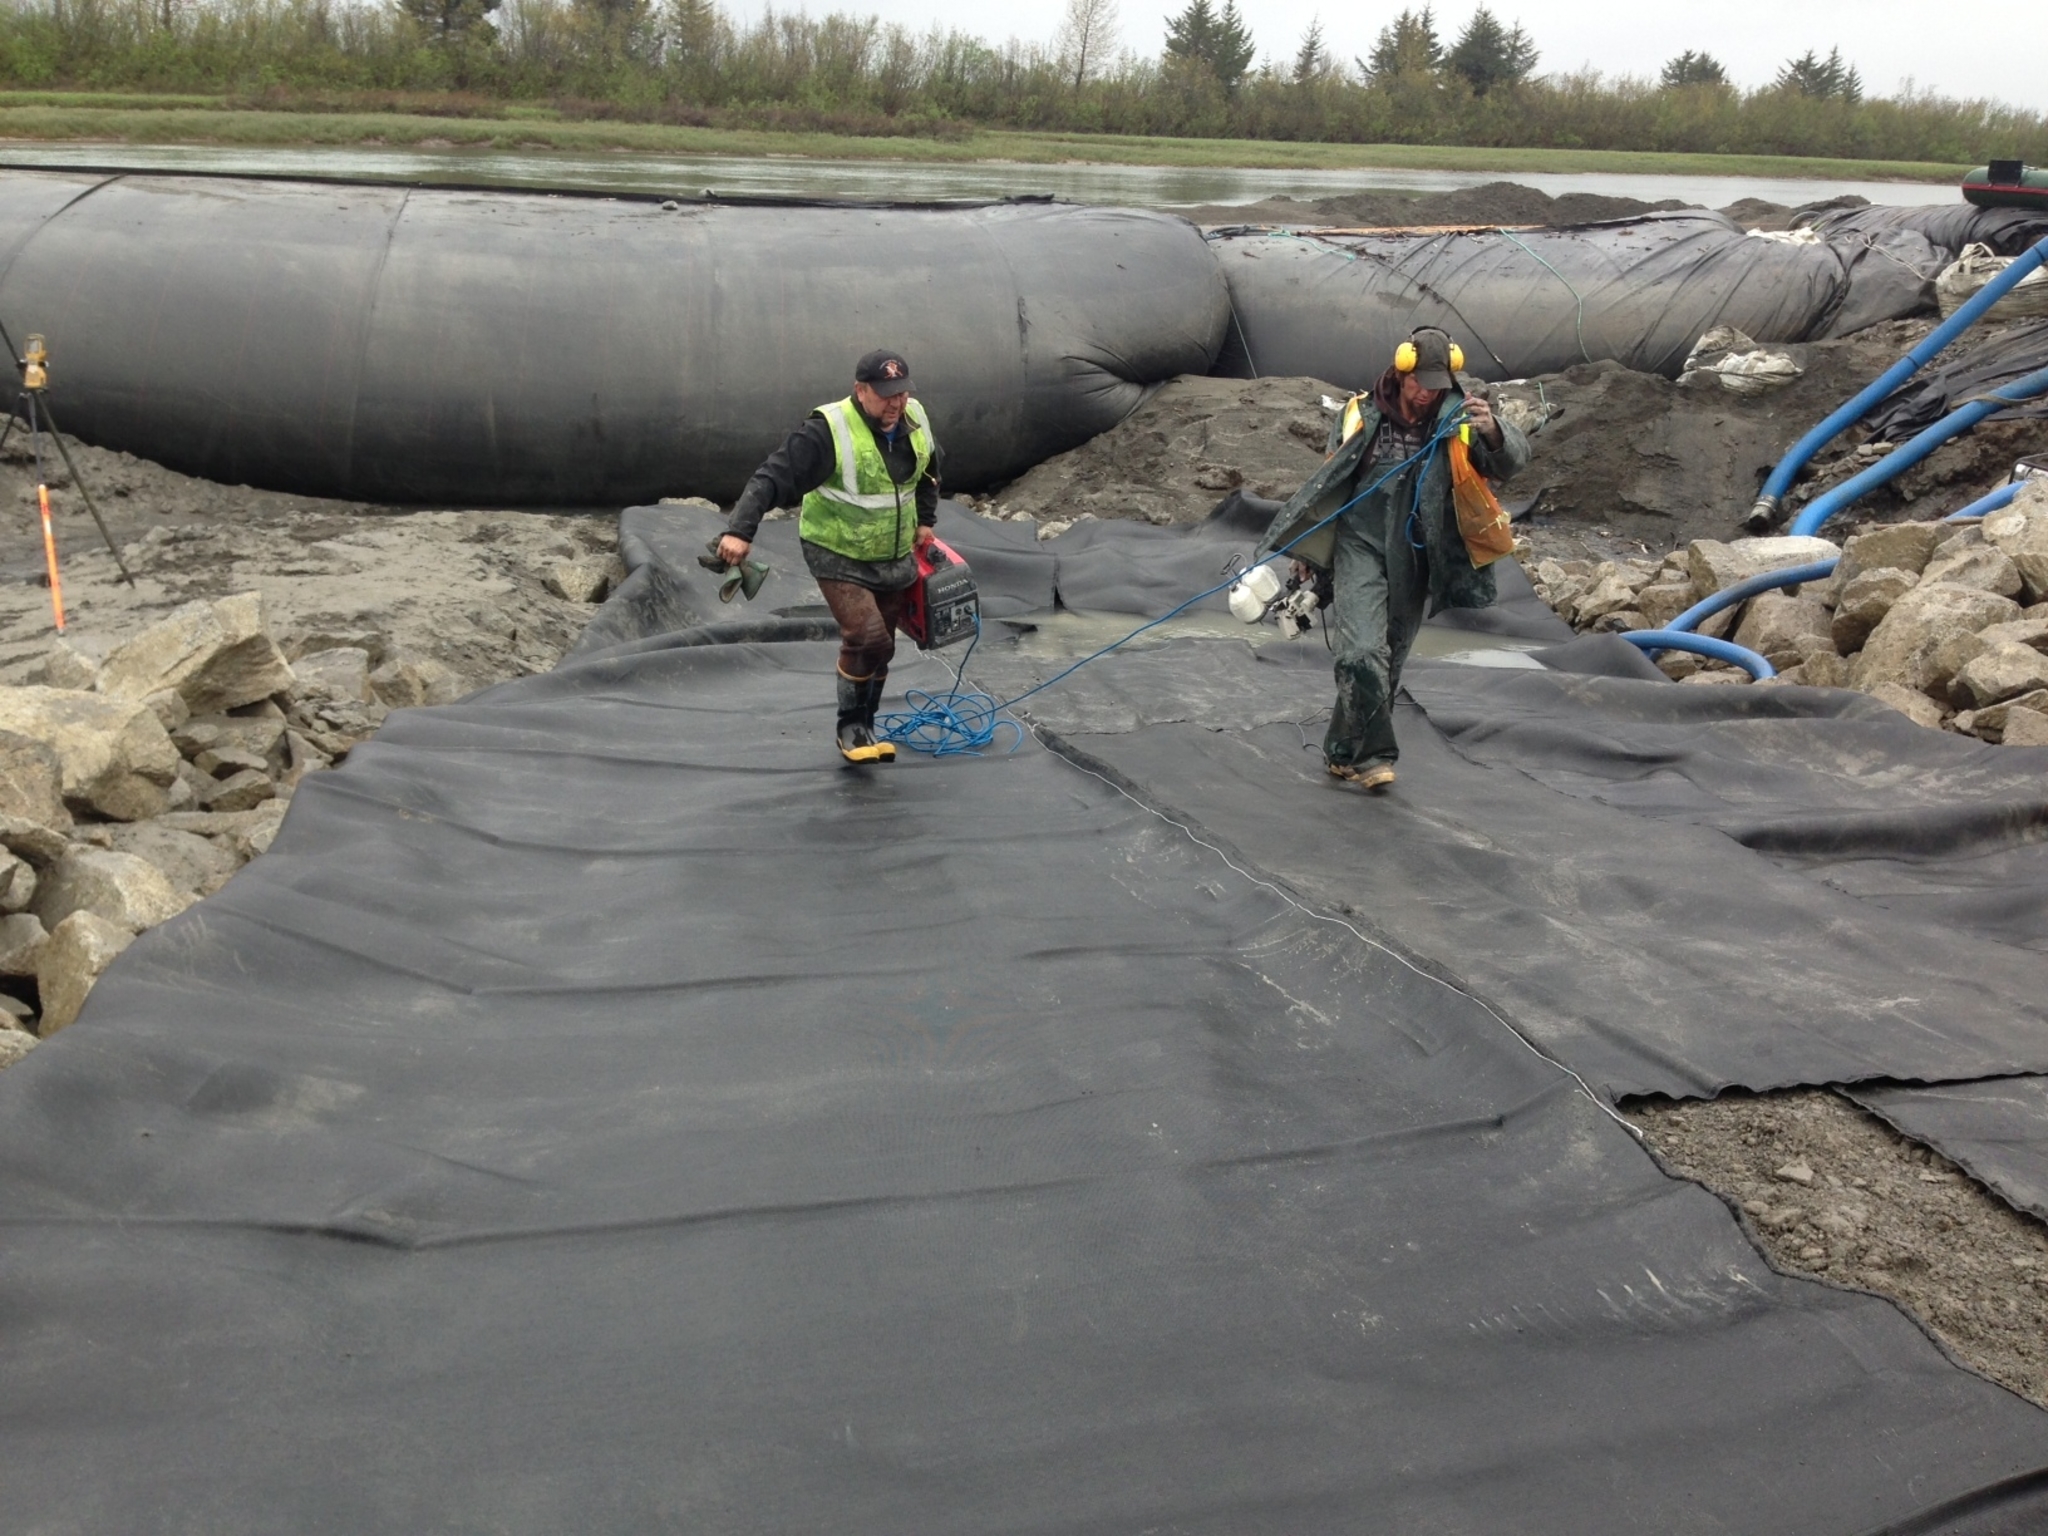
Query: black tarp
{"points": [[601, 1110], [414, 345], [1640, 292], [1995, 1127], [1950, 226], [1961, 376]]}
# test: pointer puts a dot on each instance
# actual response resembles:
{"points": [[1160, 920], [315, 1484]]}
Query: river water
{"points": [[1132, 185]]}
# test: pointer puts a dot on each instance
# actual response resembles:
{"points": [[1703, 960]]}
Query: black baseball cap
{"points": [[884, 372], [1432, 358]]}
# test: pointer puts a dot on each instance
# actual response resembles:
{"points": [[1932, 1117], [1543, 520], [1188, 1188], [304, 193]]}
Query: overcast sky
{"points": [[1989, 48]]}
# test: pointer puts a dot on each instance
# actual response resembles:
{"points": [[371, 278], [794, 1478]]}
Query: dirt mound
{"points": [[1630, 456], [1497, 202], [1663, 463], [1188, 446], [464, 588]]}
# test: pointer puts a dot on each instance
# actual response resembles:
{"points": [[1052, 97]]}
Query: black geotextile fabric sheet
{"points": [[601, 1110], [1996, 1127], [423, 345], [1956, 379], [1676, 890], [1640, 292], [1096, 566]]}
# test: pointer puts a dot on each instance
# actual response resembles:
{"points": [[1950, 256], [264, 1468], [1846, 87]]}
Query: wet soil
{"points": [[1829, 1192], [1191, 443]]}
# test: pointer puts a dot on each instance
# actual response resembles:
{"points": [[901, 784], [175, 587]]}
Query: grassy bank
{"points": [[29, 117]]}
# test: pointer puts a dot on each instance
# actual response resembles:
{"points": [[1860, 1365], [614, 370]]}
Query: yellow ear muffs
{"points": [[1405, 357]]}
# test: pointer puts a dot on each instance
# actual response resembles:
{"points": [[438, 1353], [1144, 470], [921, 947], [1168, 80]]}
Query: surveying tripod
{"points": [[33, 409]]}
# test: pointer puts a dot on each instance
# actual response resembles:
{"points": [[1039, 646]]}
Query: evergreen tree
{"points": [[1691, 68], [452, 22], [1487, 54], [1407, 45], [1218, 39], [1311, 59], [1825, 79]]}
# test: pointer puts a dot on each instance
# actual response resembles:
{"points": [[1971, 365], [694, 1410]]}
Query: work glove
{"points": [[745, 578]]}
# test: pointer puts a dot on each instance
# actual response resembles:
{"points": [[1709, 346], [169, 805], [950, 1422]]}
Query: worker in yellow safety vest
{"points": [[866, 471]]}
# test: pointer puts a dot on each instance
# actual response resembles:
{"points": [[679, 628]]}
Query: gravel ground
{"points": [[463, 587], [1830, 1192]]}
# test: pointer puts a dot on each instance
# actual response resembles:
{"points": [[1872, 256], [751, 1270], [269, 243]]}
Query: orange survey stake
{"points": [[50, 550]]}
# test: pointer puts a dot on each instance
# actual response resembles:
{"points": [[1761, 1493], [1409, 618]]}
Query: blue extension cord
{"points": [[966, 721]]}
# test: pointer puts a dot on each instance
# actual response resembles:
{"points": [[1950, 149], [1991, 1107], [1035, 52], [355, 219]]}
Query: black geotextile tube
{"points": [[1639, 292], [416, 345], [1636, 291]]}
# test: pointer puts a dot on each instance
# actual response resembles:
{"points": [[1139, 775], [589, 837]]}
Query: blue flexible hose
{"points": [[1907, 454], [1802, 452], [1984, 506], [1700, 645], [1742, 591], [963, 720]]}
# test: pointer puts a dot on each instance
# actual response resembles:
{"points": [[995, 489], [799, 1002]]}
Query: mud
{"points": [[1622, 459], [1877, 1212], [1192, 443]]}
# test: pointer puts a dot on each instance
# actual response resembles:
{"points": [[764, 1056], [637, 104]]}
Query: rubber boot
{"points": [[855, 731], [870, 703]]}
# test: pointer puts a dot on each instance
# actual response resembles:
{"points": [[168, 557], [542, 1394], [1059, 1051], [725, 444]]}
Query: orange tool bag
{"points": [[1482, 520]]}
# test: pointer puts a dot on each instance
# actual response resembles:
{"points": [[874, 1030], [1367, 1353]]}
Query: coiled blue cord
{"points": [[966, 721], [962, 721]]}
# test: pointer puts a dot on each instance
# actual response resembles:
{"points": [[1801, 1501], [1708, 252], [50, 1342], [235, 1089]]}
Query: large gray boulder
{"points": [[1991, 722], [1610, 592], [1902, 649], [2025, 728], [1917, 707], [17, 882], [79, 951], [1980, 566], [1898, 546], [2004, 671], [42, 846], [405, 681], [122, 888], [1863, 601], [195, 865], [216, 655], [1785, 629], [113, 755], [2020, 532], [340, 672], [1715, 565], [31, 781], [22, 937]]}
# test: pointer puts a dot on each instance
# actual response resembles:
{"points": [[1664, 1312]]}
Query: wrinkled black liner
{"points": [[600, 1110]]}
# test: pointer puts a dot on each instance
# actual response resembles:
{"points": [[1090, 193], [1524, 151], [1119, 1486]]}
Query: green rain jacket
{"points": [[1453, 580]]}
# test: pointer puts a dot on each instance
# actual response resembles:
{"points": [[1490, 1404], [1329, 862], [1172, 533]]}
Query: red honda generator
{"points": [[942, 606]]}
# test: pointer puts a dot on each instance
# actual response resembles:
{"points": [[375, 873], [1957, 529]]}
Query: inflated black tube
{"points": [[417, 346], [1520, 302]]}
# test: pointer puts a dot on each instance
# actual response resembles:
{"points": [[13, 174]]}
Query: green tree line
{"points": [[687, 61]]}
